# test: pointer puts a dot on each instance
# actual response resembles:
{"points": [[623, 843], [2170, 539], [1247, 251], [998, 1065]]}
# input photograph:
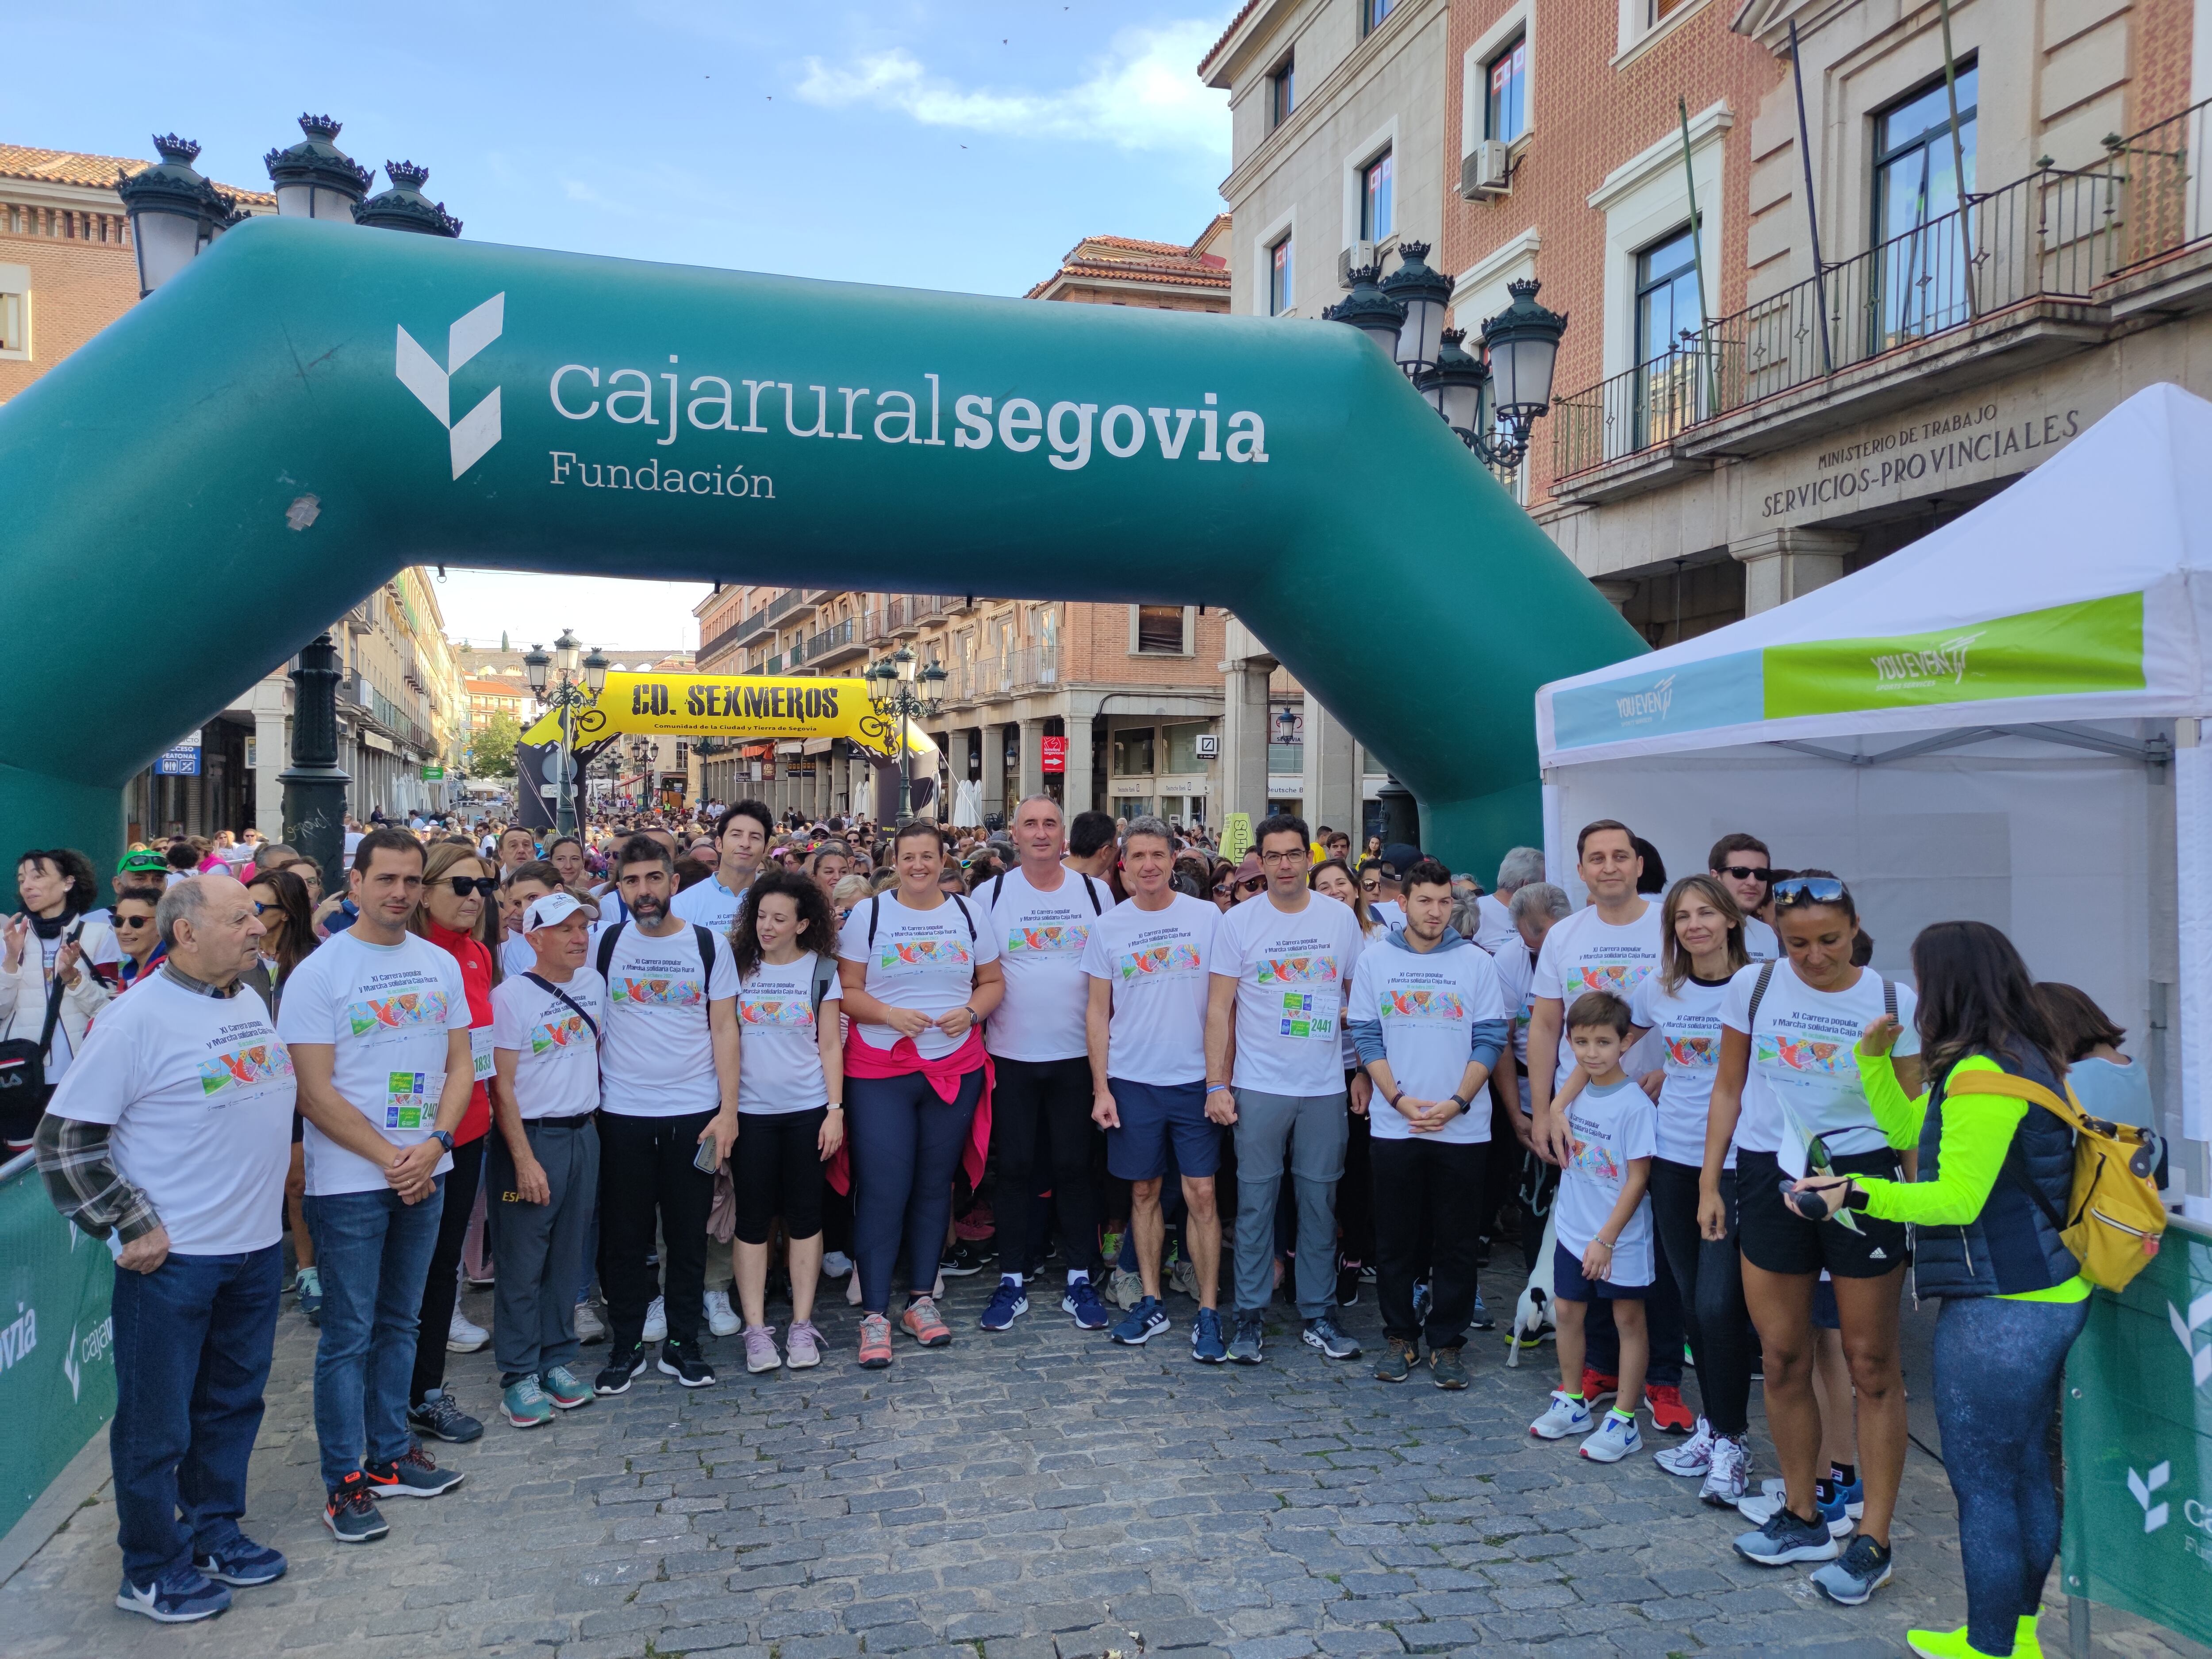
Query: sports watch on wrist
{"points": [[444, 1138]]}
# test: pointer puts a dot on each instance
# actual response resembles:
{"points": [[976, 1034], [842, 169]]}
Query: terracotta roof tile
{"points": [[62, 167], [1131, 259], [1234, 23]]}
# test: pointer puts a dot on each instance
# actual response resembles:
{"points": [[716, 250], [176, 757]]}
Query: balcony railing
{"points": [[2052, 235], [1032, 668]]}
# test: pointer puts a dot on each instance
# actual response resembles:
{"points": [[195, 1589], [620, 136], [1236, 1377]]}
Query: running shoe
{"points": [[1598, 1387], [1616, 1436], [875, 1342], [464, 1335], [1854, 1496], [1139, 1325], [1007, 1303], [1483, 1319], [1206, 1344], [1954, 1644], [656, 1321], [1347, 1283], [760, 1349], [438, 1416], [1757, 1510], [924, 1325], [1785, 1539], [415, 1475], [590, 1327], [1565, 1415], [1448, 1368], [310, 1286], [1398, 1360], [1124, 1288], [525, 1403], [1081, 1304], [802, 1345], [1331, 1339], [1244, 1348], [1183, 1279], [1864, 1569], [1729, 1475], [836, 1264], [1667, 1411], [1423, 1300], [350, 1514], [181, 1595], [689, 1369], [241, 1563], [565, 1390], [1692, 1457], [721, 1318], [967, 1257], [623, 1363]]}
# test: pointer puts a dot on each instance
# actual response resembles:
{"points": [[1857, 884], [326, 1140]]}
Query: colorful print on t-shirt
{"points": [[259, 1063], [395, 1014], [925, 953], [1298, 970], [557, 1033], [1693, 1053], [1059, 939], [1592, 1158], [1827, 1059], [1423, 1005], [774, 1011], [658, 992], [1620, 978], [1156, 961]]}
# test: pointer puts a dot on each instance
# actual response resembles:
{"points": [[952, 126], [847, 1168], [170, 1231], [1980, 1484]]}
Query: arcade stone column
{"points": [[1780, 565], [1032, 776]]}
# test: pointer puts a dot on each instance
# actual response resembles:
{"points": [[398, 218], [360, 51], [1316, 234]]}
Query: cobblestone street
{"points": [[1033, 1495]]}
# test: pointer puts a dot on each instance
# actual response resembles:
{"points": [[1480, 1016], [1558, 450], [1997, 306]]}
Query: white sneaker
{"points": [[1616, 1437], [1124, 1289], [1566, 1416], [590, 1327], [721, 1318], [656, 1321], [836, 1264], [1759, 1509], [1692, 1457], [464, 1336], [1729, 1476]]}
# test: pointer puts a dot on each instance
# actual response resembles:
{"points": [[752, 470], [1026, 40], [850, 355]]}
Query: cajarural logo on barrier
{"points": [[2184, 1332], [2154, 1515], [475, 432]]}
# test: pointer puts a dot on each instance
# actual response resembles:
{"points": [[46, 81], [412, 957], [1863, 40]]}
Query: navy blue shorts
{"points": [[1151, 1114], [1568, 1283]]}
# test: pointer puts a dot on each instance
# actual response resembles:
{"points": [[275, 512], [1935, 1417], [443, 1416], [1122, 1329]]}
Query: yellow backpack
{"points": [[2116, 1217]]}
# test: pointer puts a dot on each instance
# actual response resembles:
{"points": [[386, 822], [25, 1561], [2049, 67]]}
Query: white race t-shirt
{"points": [[1292, 972], [919, 959], [1156, 963], [1427, 1006], [1582, 954], [779, 1056], [1606, 1127], [1387, 913], [1687, 1022], [658, 1057], [1493, 927], [708, 903], [1761, 942], [558, 1073], [1804, 1076], [386, 1010], [515, 955], [1516, 967], [200, 1091], [1041, 938]]}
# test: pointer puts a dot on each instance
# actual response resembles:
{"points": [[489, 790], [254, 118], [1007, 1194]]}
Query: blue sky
{"points": [[962, 145]]}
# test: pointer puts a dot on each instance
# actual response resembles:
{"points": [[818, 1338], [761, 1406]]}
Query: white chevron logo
{"points": [[69, 1363], [2184, 1332], [2154, 1515], [478, 430]]}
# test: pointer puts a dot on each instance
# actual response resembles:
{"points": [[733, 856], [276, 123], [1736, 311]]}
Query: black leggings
{"points": [[647, 1174], [1044, 1106], [775, 1170], [1709, 1273], [907, 1140], [442, 1285]]}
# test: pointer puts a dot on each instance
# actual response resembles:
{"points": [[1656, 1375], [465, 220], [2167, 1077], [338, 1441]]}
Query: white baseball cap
{"points": [[549, 911]]}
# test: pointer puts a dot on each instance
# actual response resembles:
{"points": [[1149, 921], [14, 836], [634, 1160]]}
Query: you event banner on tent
{"points": [[738, 707]]}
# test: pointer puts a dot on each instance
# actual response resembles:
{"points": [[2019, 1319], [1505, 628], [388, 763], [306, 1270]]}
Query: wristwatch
{"points": [[444, 1138], [1465, 1106]]}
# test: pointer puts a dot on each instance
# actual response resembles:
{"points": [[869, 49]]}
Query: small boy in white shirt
{"points": [[1603, 1228]]}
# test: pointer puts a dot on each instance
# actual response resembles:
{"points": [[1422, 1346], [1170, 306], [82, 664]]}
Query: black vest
{"points": [[2011, 1247]]}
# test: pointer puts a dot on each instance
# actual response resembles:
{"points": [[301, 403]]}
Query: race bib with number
{"points": [[1306, 1015], [480, 1052], [407, 1103]]}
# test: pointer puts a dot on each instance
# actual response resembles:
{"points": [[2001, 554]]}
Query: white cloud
{"points": [[1144, 95]]}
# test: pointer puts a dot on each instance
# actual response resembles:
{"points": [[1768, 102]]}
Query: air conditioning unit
{"points": [[1483, 172], [1358, 256]]}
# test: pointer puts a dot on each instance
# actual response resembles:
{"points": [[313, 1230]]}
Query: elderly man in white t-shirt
{"points": [[169, 1138]]}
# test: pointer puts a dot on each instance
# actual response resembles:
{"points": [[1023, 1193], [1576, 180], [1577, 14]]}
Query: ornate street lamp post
{"points": [[891, 692], [555, 681]]}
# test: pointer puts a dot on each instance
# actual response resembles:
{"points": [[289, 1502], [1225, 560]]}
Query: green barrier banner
{"points": [[2138, 1414], [2094, 646], [57, 1343]]}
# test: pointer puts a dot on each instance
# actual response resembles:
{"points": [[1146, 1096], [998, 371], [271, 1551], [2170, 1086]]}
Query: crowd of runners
{"points": [[654, 1081]]}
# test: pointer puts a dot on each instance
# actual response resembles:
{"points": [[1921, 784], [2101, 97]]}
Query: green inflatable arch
{"points": [[307, 408]]}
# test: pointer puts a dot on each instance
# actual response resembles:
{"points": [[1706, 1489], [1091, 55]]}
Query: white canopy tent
{"points": [[1998, 722]]}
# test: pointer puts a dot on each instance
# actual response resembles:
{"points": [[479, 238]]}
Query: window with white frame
{"points": [[1377, 216], [1281, 289], [1505, 114], [1156, 630], [16, 312], [1282, 92]]}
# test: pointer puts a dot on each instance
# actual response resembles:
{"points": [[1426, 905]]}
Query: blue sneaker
{"points": [[179, 1596], [1484, 1320], [1007, 1304], [1854, 1496], [310, 1288], [1082, 1304], [1206, 1344], [241, 1562], [1864, 1569], [1139, 1325]]}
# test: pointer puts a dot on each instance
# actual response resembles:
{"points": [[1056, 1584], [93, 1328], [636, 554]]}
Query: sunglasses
{"points": [[122, 922], [1746, 872], [483, 886], [1808, 890], [1251, 885]]}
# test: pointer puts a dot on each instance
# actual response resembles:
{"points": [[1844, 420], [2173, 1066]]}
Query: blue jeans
{"points": [[373, 1252], [907, 1142], [193, 1343], [1998, 1366]]}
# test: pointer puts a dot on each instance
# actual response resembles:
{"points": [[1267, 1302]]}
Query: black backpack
{"points": [[705, 936], [875, 912], [998, 886]]}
